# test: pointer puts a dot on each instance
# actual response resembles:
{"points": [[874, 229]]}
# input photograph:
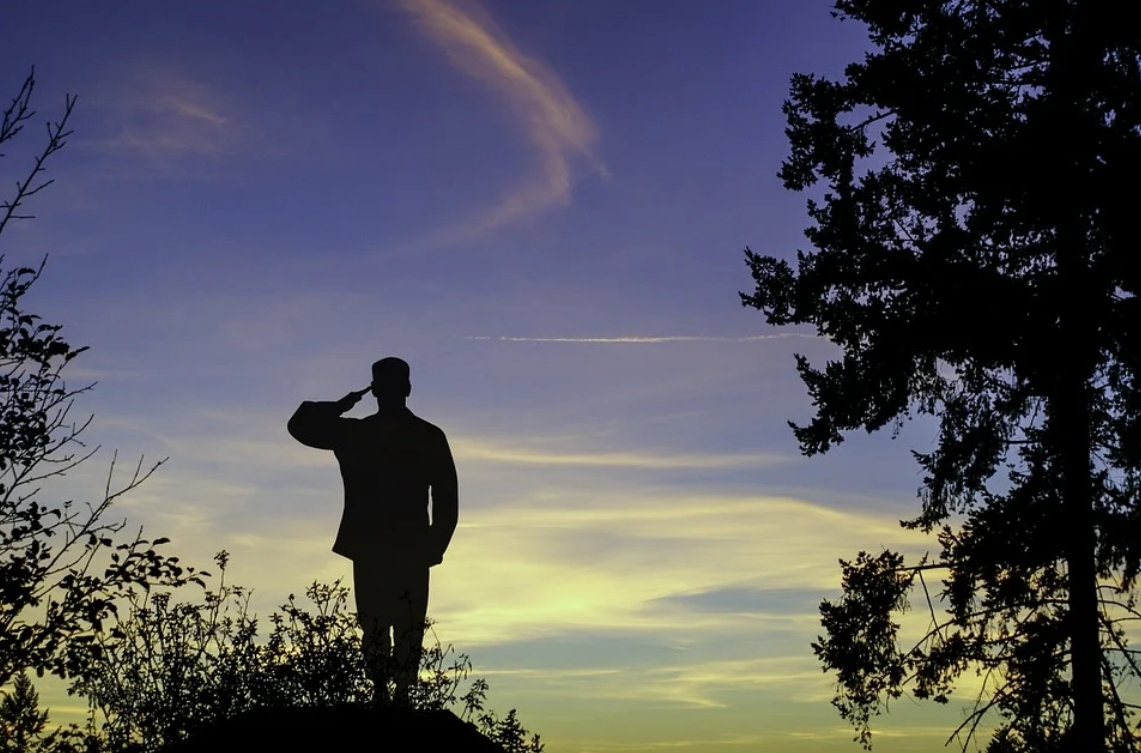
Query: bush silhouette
{"points": [[63, 565], [169, 670]]}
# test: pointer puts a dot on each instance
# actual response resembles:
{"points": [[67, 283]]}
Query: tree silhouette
{"points": [[53, 598], [21, 721], [975, 258]]}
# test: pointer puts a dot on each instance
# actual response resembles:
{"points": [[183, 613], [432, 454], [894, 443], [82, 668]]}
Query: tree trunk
{"points": [[1071, 406], [1089, 734], [1073, 60]]}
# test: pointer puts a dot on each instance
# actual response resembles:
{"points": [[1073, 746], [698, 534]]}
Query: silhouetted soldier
{"points": [[388, 461]]}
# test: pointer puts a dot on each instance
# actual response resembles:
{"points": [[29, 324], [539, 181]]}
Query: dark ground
{"points": [[362, 729]]}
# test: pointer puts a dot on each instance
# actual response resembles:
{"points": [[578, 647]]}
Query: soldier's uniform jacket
{"points": [[388, 461]]}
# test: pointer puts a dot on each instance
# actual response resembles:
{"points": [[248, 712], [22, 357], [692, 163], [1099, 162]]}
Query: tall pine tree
{"points": [[975, 257]]}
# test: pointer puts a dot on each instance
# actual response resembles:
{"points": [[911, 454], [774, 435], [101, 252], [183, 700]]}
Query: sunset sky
{"points": [[542, 206]]}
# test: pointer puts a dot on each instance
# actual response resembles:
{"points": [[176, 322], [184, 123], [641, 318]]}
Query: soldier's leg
{"points": [[373, 592], [408, 627]]}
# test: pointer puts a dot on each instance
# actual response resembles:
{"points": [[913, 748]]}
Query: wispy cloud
{"points": [[273, 455], [638, 339], [161, 115], [626, 559], [703, 684], [554, 123], [603, 548], [485, 451], [844, 734]]}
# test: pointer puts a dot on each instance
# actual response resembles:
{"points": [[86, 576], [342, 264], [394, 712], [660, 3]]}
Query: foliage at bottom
{"points": [[167, 669]]}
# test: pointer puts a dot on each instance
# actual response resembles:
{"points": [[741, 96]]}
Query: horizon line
{"points": [[643, 339]]}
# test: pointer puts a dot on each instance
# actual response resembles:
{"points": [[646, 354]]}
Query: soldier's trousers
{"points": [[392, 604]]}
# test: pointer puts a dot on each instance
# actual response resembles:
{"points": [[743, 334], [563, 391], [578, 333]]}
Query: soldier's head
{"points": [[390, 379]]}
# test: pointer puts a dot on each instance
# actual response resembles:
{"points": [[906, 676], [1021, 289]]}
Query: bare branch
{"points": [[57, 135]]}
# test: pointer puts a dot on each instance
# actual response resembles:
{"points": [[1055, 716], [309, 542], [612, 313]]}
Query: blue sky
{"points": [[542, 207]]}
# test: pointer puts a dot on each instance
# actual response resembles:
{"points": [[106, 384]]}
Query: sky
{"points": [[543, 208]]}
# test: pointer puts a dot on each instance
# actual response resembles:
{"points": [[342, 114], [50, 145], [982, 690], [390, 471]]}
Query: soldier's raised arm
{"points": [[314, 423]]}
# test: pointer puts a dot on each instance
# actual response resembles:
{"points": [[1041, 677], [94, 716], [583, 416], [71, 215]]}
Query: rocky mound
{"points": [[289, 730]]}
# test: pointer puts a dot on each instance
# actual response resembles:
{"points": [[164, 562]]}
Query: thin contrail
{"points": [[633, 339]]}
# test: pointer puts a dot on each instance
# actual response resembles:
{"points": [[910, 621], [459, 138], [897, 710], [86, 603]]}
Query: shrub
{"points": [[169, 669]]}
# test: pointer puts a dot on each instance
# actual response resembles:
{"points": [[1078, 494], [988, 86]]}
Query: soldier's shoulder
{"points": [[428, 427]]}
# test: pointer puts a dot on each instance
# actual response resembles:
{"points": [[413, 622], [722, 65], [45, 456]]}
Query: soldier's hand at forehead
{"points": [[351, 399]]}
